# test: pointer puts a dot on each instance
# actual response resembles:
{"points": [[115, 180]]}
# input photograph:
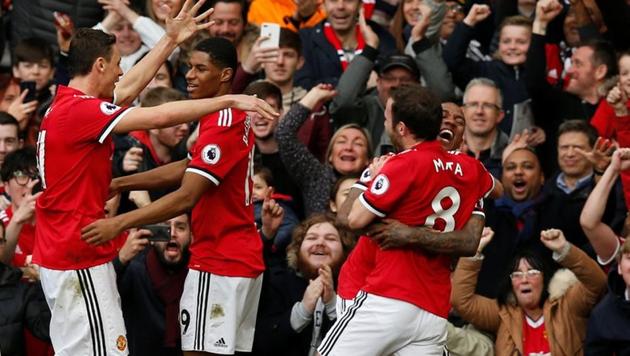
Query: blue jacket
{"points": [[321, 63]]}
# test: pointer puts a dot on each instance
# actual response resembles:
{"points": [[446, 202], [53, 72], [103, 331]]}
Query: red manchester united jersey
{"points": [[225, 241], [423, 186], [74, 151]]}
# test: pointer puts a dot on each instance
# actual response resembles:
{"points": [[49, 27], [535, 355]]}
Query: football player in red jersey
{"points": [[409, 288], [220, 300], [74, 152]]}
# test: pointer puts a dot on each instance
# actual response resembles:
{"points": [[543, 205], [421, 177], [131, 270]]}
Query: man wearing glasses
{"points": [[19, 175], [483, 113]]}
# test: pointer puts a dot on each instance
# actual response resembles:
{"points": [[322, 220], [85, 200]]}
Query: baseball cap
{"points": [[400, 61]]}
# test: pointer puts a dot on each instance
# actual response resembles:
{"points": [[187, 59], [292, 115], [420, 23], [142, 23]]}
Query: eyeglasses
{"points": [[22, 178], [455, 8], [485, 106], [529, 274]]}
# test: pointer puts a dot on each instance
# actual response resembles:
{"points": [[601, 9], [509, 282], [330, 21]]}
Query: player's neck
{"points": [[477, 144], [86, 85]]}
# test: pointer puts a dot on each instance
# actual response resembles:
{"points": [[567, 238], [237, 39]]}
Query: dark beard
{"points": [[173, 266]]}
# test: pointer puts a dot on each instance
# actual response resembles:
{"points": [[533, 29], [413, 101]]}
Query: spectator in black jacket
{"points": [[568, 189], [593, 63], [607, 332], [150, 281], [297, 305], [330, 46], [23, 305]]}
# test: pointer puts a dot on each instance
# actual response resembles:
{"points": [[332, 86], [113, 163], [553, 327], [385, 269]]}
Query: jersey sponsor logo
{"points": [[380, 185], [211, 154], [108, 108], [121, 343]]}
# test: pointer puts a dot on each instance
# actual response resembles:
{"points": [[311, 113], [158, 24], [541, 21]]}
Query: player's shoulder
{"points": [[228, 117]]}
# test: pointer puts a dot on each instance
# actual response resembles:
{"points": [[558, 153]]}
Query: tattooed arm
{"points": [[390, 233]]}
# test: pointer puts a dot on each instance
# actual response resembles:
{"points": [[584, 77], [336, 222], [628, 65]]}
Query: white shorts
{"points": [[342, 305], [375, 325], [86, 316], [218, 313]]}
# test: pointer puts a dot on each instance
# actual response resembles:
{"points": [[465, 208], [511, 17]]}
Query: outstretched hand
{"points": [[186, 24], [101, 231], [252, 103]]}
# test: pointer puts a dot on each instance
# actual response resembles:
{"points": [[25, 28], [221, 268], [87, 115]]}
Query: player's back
{"points": [[423, 186], [225, 241]]}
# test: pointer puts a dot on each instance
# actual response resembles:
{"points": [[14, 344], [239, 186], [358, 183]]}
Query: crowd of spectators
{"points": [[539, 90]]}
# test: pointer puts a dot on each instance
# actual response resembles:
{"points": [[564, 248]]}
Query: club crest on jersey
{"points": [[211, 154], [108, 108], [366, 176], [380, 185]]}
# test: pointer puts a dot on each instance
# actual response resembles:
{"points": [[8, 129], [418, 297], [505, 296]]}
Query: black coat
{"points": [[281, 289], [321, 63], [608, 331], [21, 305]]}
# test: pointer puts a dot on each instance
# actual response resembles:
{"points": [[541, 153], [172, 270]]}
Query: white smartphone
{"points": [[272, 31]]}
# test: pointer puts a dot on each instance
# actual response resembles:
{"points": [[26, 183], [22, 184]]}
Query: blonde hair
{"points": [[350, 126]]}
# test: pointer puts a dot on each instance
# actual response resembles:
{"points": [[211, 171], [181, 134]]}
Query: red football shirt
{"points": [[422, 186], [535, 341], [26, 239], [226, 240], [74, 151]]}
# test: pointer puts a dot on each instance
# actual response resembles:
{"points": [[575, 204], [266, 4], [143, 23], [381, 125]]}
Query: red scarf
{"points": [[168, 285], [335, 42]]}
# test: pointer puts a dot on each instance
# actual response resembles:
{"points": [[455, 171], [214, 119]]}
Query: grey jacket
{"points": [[353, 105], [314, 178]]}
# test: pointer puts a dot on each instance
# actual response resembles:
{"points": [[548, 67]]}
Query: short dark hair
{"points": [[244, 7], [23, 159], [221, 51], [264, 173], [603, 53], [419, 109], [579, 126], [161, 95], [290, 39], [85, 47], [8, 119], [33, 50], [264, 89], [337, 185]]}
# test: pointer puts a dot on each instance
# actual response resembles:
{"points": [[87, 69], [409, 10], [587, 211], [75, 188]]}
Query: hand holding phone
{"points": [[272, 32], [159, 232], [31, 86]]}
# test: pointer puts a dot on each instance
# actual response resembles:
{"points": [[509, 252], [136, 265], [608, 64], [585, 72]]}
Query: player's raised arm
{"points": [[178, 29]]}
